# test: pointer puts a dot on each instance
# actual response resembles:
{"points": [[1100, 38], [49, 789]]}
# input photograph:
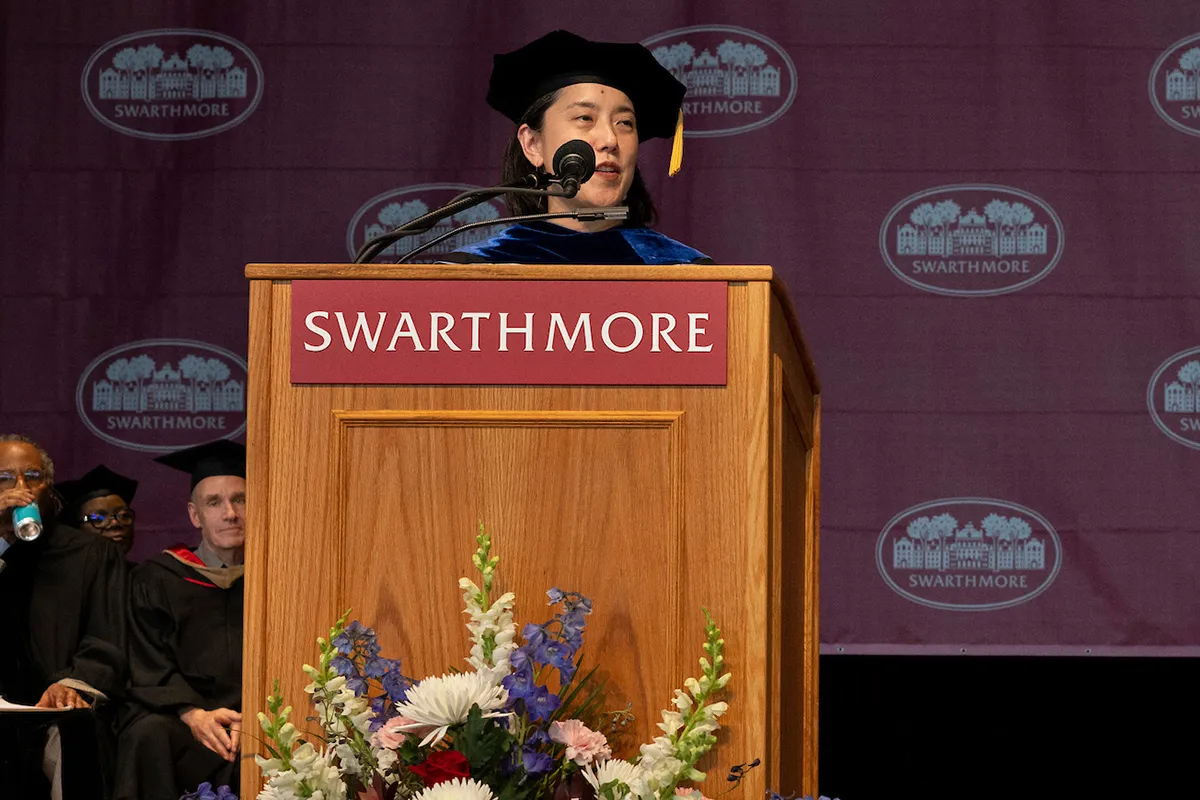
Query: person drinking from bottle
{"points": [[62, 595]]}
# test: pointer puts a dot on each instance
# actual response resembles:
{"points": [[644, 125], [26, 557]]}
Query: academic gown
{"points": [[541, 242], [62, 599], [185, 650]]}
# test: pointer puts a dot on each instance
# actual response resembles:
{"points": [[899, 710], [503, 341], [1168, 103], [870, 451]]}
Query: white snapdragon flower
{"points": [[312, 775], [660, 768], [495, 622]]}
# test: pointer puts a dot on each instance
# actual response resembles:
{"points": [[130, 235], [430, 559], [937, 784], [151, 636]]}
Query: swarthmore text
{"points": [[475, 331]]}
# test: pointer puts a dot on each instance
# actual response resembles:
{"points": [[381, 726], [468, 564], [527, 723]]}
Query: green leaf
{"points": [[483, 742]]}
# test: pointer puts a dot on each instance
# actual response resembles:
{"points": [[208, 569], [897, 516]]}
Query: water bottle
{"points": [[27, 522]]}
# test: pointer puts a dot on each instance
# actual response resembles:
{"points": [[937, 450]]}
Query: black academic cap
{"points": [[208, 460], [561, 58], [97, 482]]}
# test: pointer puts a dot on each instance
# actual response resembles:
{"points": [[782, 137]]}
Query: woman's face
{"points": [[601, 116], [110, 517]]}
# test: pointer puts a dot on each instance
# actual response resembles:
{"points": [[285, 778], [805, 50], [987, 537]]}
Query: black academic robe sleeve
{"points": [[76, 586], [99, 660], [157, 682]]}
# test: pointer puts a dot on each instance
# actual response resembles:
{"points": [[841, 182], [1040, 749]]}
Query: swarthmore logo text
{"points": [[172, 83], [737, 80], [1173, 397], [971, 240], [968, 554], [619, 332], [159, 395], [1175, 85], [510, 332]]}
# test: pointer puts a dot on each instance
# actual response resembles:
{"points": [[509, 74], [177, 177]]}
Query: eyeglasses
{"points": [[123, 517], [34, 478]]}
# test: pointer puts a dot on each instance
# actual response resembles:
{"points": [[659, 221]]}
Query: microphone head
{"points": [[574, 160]]}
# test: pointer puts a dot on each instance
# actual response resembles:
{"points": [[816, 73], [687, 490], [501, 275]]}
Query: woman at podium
{"points": [[612, 96]]}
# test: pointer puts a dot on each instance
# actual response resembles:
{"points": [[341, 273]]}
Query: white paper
{"points": [[7, 707]]}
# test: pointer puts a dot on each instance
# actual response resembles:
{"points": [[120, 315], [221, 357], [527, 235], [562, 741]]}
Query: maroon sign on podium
{"points": [[630, 333]]}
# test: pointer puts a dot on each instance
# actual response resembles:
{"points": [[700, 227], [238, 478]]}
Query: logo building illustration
{"points": [[159, 395], [968, 554], [1175, 85], [172, 84], [1173, 397], [737, 80], [971, 240], [392, 209]]}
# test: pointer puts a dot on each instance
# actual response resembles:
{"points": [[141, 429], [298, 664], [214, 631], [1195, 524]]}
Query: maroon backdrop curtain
{"points": [[984, 212]]}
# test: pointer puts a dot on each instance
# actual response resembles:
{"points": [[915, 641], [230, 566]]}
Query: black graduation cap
{"points": [[97, 482], [561, 58], [208, 460]]}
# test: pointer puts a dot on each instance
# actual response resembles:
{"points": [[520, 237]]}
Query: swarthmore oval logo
{"points": [[737, 80], [973, 239], [1174, 397], [1175, 85], [172, 83], [388, 210], [160, 395], [969, 554]]}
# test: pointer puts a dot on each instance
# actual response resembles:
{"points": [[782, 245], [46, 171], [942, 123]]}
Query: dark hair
{"points": [[516, 166]]}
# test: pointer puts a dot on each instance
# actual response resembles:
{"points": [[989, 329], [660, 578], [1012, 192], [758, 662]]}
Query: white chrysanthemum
{"points": [[613, 769], [435, 704], [457, 789]]}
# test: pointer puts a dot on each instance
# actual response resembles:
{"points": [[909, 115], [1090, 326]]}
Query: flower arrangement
{"points": [[524, 722]]}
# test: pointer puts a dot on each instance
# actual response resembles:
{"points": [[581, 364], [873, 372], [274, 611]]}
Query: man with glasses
{"points": [[99, 503], [62, 597], [185, 649]]}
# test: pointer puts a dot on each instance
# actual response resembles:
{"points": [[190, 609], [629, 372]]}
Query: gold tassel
{"points": [[677, 147]]}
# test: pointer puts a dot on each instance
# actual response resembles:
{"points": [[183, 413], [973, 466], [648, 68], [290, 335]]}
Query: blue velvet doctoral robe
{"points": [[546, 243]]}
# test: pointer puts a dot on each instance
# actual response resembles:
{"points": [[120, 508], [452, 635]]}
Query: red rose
{"points": [[442, 766]]}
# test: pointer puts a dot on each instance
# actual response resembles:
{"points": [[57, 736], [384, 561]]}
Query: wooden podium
{"points": [[654, 501]]}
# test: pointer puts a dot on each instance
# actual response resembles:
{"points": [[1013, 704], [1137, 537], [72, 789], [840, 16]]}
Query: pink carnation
{"points": [[583, 744], [390, 737], [694, 794]]}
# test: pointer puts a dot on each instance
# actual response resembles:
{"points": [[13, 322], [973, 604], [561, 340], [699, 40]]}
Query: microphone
{"points": [[584, 214], [27, 522], [530, 184], [573, 164]]}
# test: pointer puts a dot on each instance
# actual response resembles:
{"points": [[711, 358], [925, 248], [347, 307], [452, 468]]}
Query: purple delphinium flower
{"points": [[205, 791], [541, 703], [344, 667], [519, 684], [396, 684], [534, 634], [535, 762], [376, 667]]}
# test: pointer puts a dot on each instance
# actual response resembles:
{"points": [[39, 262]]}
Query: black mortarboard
{"points": [[97, 482], [208, 460], [561, 58]]}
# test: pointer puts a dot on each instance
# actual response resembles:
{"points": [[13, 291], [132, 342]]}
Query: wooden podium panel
{"points": [[653, 501]]}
